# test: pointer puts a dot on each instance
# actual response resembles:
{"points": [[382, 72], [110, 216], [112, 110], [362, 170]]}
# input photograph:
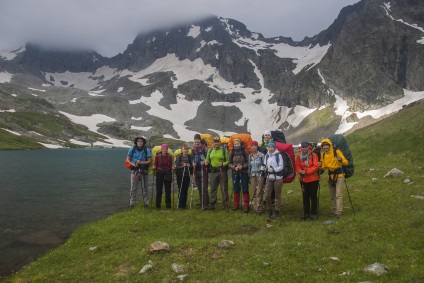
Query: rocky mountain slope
{"points": [[216, 76]]}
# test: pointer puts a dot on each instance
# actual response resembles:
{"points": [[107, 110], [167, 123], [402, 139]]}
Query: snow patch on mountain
{"points": [[194, 31], [5, 77], [387, 8], [303, 56], [12, 132], [144, 129], [180, 113], [11, 53], [89, 121]]}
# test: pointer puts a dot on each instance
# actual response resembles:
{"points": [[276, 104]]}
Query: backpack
{"points": [[339, 142], [246, 141], [129, 166], [287, 152]]}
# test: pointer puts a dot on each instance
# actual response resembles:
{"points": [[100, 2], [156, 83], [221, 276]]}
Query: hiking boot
{"points": [[332, 214], [275, 214], [338, 216], [211, 207], [131, 207], [235, 208], [305, 217], [146, 206], [246, 210], [269, 213], [313, 217]]}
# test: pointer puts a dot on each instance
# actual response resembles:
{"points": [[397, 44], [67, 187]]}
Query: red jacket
{"points": [[311, 167]]}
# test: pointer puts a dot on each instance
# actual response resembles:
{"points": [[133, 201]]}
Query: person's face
{"points": [[216, 144], [305, 149], [325, 147], [140, 143], [267, 137], [184, 150], [237, 143], [196, 141], [164, 150], [254, 148], [271, 149]]}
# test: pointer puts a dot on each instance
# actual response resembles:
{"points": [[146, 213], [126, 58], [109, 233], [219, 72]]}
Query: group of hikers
{"points": [[262, 168]]}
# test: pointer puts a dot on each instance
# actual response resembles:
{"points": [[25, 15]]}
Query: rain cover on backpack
{"points": [[287, 152], [339, 142]]}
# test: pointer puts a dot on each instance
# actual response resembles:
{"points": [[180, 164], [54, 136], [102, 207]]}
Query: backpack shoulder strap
{"points": [[223, 153]]}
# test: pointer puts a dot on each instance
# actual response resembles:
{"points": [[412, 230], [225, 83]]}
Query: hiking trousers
{"points": [[336, 194], [183, 184], [310, 200], [160, 183], [219, 179], [135, 179], [257, 185], [277, 186]]}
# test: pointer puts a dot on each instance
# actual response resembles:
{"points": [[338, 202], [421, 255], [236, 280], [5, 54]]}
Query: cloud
{"points": [[108, 26]]}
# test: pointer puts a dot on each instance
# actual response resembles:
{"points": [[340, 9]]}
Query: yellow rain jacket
{"points": [[330, 162]]}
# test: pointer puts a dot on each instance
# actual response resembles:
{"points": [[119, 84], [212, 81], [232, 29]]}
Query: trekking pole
{"points": [[180, 188], [261, 201], [351, 204], [190, 176]]}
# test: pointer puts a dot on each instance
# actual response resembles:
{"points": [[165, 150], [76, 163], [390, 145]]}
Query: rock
{"points": [[394, 172], [406, 181], [374, 179], [329, 222], [289, 191], [265, 263], [268, 225], [159, 246], [177, 268], [334, 258], [345, 273], [182, 276], [145, 268], [410, 183], [92, 248], [417, 196], [376, 268], [225, 244]]}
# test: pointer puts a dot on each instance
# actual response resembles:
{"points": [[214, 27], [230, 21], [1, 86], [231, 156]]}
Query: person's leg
{"points": [[339, 196], [305, 197], [245, 188], [214, 181], [159, 187], [184, 192], [133, 189], [236, 190], [269, 187], [145, 188], [168, 193], [278, 187], [332, 189], [313, 186]]}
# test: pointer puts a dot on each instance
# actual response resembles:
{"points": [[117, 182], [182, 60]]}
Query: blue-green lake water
{"points": [[46, 194]]}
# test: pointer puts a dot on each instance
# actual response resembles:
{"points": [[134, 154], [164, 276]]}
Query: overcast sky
{"points": [[108, 26]]}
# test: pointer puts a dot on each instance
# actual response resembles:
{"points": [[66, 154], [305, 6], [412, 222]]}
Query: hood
{"points": [[274, 153], [329, 142]]}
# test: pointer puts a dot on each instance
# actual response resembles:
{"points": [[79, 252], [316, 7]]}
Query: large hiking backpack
{"points": [[245, 139], [155, 151], [339, 142], [287, 152], [208, 138], [134, 147]]}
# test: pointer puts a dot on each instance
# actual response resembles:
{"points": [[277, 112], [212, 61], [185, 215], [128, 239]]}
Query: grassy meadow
{"points": [[388, 228]]}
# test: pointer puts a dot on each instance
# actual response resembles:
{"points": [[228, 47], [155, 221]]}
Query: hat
{"points": [[237, 140], [254, 143], [272, 144], [165, 145], [197, 137], [216, 139], [304, 144], [267, 132]]}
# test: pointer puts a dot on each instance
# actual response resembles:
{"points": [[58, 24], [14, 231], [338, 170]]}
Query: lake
{"points": [[46, 194]]}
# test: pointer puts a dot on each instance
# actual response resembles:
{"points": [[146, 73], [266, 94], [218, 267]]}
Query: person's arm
{"points": [[225, 164], [230, 164], [297, 164], [281, 165], [246, 161], [342, 159]]}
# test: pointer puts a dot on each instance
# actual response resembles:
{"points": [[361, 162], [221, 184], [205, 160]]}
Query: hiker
{"points": [[201, 170], [163, 167], [257, 177], [238, 163], [139, 157], [267, 137], [333, 160], [307, 168], [184, 168], [217, 157], [273, 165]]}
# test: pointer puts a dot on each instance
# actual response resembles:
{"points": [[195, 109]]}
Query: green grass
{"points": [[11, 141], [387, 228]]}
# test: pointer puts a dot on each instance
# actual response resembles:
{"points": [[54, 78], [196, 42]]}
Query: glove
{"points": [[263, 168], [271, 170]]}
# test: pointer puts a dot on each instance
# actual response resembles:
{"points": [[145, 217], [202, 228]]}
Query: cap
{"points": [[271, 144], [254, 143], [165, 145], [216, 139], [197, 137], [304, 144], [267, 132]]}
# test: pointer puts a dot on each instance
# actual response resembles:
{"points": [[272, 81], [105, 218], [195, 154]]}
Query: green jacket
{"points": [[215, 155]]}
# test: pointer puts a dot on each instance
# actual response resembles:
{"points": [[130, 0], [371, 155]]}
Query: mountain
{"points": [[218, 77]]}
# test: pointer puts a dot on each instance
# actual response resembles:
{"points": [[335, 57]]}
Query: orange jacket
{"points": [[310, 167]]}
